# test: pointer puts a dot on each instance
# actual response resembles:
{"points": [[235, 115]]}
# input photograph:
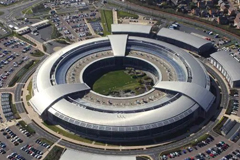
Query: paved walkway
{"points": [[39, 44], [90, 27], [115, 19], [48, 150]]}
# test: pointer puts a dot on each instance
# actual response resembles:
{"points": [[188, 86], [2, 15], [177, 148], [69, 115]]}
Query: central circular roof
{"points": [[182, 87]]}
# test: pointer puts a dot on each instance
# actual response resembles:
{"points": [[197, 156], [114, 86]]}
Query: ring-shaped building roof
{"points": [[188, 91]]}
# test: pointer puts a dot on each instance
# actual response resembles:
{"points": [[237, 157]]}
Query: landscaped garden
{"points": [[123, 83]]}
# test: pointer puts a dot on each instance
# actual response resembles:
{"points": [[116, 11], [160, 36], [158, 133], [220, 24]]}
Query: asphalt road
{"points": [[16, 10], [20, 85]]}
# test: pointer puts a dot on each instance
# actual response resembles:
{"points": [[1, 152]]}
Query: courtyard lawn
{"points": [[114, 81]]}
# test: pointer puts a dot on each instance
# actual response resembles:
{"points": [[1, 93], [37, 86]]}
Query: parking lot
{"points": [[8, 2], [14, 54], [6, 108], [73, 26], [3, 31], [19, 145], [212, 148]]}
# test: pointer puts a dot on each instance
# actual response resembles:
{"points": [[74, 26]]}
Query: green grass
{"points": [[63, 41], [107, 20], [66, 133], [40, 8], [89, 20], [55, 33], [218, 127], [122, 14], [27, 127], [199, 139], [38, 54], [27, 11], [29, 88], [114, 81], [44, 140], [55, 153]]}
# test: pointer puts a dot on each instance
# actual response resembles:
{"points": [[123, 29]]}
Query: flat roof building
{"points": [[79, 155], [185, 40], [228, 65], [23, 30], [41, 24], [132, 29]]}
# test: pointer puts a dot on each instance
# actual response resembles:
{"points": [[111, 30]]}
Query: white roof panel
{"points": [[186, 38], [44, 99], [197, 93], [231, 65], [131, 28], [118, 44], [80, 155], [130, 119]]}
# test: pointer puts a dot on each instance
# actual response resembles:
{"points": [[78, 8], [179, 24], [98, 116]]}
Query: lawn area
{"points": [[122, 14], [107, 20], [55, 153], [55, 33], [44, 140], [27, 127], [29, 88], [38, 53], [218, 127], [114, 81], [27, 11]]}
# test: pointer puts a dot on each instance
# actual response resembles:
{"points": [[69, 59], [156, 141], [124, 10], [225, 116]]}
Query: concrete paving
{"points": [[115, 18]]}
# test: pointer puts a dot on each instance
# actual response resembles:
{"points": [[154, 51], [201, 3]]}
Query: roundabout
{"points": [[179, 96]]}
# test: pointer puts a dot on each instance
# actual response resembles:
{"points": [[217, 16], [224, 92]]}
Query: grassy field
{"points": [[218, 127], [38, 53], [122, 14], [29, 88], [107, 20], [27, 127], [44, 140], [114, 81], [55, 33], [55, 153]]}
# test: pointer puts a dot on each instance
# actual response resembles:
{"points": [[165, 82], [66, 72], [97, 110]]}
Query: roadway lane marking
{"points": [[19, 102]]}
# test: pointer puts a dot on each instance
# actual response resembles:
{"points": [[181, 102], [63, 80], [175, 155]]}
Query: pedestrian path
{"points": [[49, 149], [115, 19], [39, 45]]}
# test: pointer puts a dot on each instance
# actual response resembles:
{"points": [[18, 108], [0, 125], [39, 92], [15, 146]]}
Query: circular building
{"points": [[63, 94]]}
